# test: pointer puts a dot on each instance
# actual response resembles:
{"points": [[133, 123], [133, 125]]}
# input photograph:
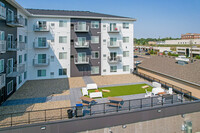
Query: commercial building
{"points": [[188, 51], [190, 36], [49, 44]]}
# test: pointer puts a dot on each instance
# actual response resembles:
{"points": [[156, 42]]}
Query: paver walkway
{"points": [[195, 92], [88, 80]]}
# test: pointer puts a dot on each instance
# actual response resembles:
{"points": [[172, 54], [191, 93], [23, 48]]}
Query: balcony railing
{"points": [[116, 44], [2, 13], [41, 62], [12, 46], [36, 45], [78, 28], [16, 22], [2, 80], [116, 59], [16, 70], [42, 28], [116, 29], [81, 45], [83, 61], [2, 46]]}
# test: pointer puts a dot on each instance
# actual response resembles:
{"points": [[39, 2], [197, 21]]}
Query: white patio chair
{"points": [[84, 91]]}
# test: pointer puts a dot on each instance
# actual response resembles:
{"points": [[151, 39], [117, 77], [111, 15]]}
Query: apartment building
{"points": [[49, 44], [190, 36]]}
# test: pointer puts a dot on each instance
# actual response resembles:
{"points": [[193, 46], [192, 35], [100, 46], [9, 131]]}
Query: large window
{"points": [[9, 87], [95, 70], [113, 68], [25, 57], [125, 25], [42, 58], [63, 55], [94, 39], [25, 39], [95, 24], [10, 15], [125, 39], [9, 65], [20, 38], [25, 75], [62, 39], [42, 41], [125, 53], [126, 68], [1, 65], [95, 55], [41, 73], [20, 59], [62, 72], [2, 35], [62, 23]]}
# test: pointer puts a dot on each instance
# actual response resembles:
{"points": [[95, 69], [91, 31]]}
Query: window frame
{"points": [[95, 54], [62, 55], [8, 93], [63, 72], [93, 25], [95, 67], [2, 60], [41, 73], [112, 70]]}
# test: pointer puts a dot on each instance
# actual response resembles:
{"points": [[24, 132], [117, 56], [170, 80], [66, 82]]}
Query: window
{"points": [[9, 87], [25, 39], [95, 39], [9, 65], [25, 75], [95, 55], [20, 38], [113, 68], [125, 25], [25, 57], [20, 79], [125, 39], [20, 59], [41, 73], [62, 39], [63, 55], [62, 23], [125, 53], [42, 58], [126, 68], [10, 15], [42, 41], [95, 24], [62, 72], [52, 58], [2, 35], [1, 65], [26, 22], [95, 70]]}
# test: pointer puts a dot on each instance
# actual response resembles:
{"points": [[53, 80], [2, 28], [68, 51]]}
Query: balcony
{"points": [[36, 45], [2, 13], [113, 29], [2, 80], [16, 22], [12, 46], [82, 61], [80, 28], [41, 62], [41, 28], [2, 46], [81, 44], [16, 70], [114, 60], [116, 44]]}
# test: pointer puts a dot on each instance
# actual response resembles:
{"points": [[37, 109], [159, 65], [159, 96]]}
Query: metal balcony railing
{"points": [[116, 59], [15, 71], [2, 80], [78, 28], [83, 61], [41, 28], [116, 44], [81, 45], [16, 22], [36, 45], [41, 62], [116, 29], [2, 46], [2, 13]]}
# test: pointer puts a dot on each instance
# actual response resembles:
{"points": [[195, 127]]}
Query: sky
{"points": [[155, 18]]}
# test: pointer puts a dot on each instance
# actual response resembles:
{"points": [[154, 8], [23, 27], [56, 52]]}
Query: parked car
{"points": [[147, 54], [135, 56]]}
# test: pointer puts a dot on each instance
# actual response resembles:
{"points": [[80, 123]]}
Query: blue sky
{"points": [[155, 18]]}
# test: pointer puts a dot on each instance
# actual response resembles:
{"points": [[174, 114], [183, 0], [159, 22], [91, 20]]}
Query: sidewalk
{"points": [[195, 92]]}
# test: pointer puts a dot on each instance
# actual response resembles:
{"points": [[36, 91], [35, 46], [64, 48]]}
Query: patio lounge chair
{"points": [[91, 86], [96, 94]]}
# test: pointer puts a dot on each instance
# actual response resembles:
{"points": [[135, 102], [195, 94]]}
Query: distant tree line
{"points": [[144, 41]]}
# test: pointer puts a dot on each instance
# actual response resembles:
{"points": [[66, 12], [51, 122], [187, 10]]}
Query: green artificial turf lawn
{"points": [[123, 90]]}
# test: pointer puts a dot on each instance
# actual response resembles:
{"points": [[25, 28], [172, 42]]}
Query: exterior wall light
{"points": [[124, 126]]}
